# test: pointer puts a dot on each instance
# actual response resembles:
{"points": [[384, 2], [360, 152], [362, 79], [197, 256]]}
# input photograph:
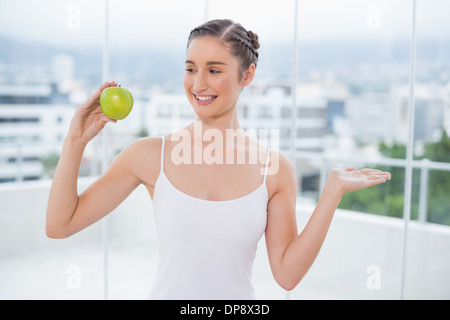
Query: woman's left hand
{"points": [[351, 179]]}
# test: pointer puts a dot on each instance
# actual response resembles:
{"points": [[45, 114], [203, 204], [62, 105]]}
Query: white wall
{"points": [[359, 248]]}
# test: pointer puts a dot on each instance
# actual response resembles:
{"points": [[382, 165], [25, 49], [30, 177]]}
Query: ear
{"points": [[248, 75]]}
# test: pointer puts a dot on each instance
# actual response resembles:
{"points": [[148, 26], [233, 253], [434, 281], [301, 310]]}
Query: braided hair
{"points": [[243, 44]]}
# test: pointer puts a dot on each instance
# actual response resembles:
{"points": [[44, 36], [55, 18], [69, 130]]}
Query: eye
{"points": [[190, 70], [213, 71]]}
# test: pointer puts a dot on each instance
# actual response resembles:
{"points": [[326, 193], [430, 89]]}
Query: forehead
{"points": [[204, 49]]}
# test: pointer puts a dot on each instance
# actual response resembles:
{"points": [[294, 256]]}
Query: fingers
{"points": [[379, 180], [108, 119], [369, 170], [373, 171], [101, 121], [107, 84], [104, 120], [377, 176], [98, 92], [93, 100], [99, 113], [372, 176]]}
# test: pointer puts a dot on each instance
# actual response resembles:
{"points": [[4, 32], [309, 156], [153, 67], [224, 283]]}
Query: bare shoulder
{"points": [[281, 174], [142, 159], [145, 146], [143, 149]]}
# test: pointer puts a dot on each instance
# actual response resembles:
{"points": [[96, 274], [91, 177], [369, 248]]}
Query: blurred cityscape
{"points": [[350, 108], [346, 102]]}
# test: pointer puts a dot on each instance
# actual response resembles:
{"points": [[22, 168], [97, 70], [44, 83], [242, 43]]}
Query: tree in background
{"points": [[49, 163], [439, 181], [388, 199]]}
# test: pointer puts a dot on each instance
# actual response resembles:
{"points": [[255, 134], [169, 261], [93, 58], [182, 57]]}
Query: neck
{"points": [[222, 122]]}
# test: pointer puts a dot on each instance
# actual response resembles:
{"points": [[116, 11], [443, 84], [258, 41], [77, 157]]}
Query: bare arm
{"points": [[67, 212], [292, 254]]}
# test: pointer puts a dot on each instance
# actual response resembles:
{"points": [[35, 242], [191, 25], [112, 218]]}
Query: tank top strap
{"points": [[267, 165], [162, 154]]}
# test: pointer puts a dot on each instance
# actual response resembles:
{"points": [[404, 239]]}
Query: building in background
{"points": [[33, 123]]}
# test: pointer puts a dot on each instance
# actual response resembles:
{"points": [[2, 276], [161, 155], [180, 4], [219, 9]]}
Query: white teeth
{"points": [[204, 98]]}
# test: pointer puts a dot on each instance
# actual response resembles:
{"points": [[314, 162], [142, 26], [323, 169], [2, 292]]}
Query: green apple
{"points": [[116, 102]]}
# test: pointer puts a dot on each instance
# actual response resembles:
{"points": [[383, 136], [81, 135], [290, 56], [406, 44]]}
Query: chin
{"points": [[201, 113]]}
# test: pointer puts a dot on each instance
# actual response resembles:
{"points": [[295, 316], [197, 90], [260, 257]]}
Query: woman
{"points": [[209, 214]]}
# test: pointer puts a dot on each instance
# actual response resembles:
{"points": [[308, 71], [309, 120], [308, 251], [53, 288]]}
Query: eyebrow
{"points": [[209, 63]]}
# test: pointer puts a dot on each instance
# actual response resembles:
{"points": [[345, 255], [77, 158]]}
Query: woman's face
{"points": [[212, 80]]}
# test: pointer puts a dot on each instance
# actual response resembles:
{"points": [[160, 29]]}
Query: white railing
{"points": [[326, 162], [322, 161], [21, 159]]}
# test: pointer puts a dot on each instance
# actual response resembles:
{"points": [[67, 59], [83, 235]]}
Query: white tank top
{"points": [[206, 248]]}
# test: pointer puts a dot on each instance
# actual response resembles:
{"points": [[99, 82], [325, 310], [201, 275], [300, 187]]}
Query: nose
{"points": [[200, 82]]}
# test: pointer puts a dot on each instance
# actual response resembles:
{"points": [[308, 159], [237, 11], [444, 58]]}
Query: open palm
{"points": [[351, 179]]}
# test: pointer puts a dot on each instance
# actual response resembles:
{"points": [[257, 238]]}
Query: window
{"points": [[19, 120], [49, 62], [335, 78]]}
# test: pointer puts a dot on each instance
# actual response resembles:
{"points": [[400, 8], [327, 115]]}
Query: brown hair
{"points": [[243, 44]]}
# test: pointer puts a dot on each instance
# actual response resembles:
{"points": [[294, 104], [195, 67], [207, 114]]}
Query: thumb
{"points": [[103, 121]]}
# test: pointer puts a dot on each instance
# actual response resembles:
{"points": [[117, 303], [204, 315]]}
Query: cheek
{"points": [[225, 86], [187, 82]]}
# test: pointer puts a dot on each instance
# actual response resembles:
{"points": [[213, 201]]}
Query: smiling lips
{"points": [[204, 99]]}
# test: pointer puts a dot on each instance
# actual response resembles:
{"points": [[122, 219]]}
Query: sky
{"points": [[138, 23]]}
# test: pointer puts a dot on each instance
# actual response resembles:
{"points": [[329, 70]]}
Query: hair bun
{"points": [[254, 39]]}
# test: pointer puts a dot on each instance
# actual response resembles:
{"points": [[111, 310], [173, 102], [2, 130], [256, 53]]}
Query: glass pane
{"points": [[353, 62], [428, 260], [266, 104], [50, 62], [147, 55]]}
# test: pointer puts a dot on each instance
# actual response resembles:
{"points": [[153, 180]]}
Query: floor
{"points": [[78, 273]]}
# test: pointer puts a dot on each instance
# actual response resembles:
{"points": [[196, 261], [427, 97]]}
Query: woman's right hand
{"points": [[89, 119]]}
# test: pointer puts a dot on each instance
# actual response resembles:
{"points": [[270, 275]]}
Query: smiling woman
{"points": [[352, 76], [223, 51], [211, 77], [209, 216]]}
